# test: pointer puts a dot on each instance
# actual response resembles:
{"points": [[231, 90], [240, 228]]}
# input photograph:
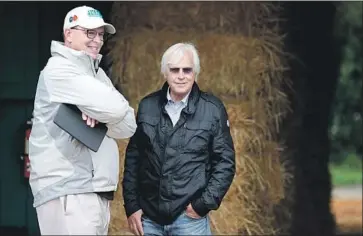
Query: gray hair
{"points": [[175, 53]]}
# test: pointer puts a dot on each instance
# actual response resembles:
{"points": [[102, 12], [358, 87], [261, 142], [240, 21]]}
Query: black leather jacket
{"points": [[167, 167]]}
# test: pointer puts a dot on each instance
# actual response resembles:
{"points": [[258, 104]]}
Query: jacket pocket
{"points": [[148, 123], [148, 129], [105, 165], [197, 135]]}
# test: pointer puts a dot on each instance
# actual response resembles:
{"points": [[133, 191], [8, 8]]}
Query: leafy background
{"points": [[346, 120]]}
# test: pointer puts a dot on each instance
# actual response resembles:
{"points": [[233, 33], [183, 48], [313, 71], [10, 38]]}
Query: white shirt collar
{"points": [[184, 100]]}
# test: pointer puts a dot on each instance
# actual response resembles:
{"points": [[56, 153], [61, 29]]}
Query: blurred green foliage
{"points": [[346, 122], [346, 174]]}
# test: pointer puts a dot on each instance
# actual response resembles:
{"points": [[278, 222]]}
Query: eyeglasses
{"points": [[91, 34], [176, 70]]}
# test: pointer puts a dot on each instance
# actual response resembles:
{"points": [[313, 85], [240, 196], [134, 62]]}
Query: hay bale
{"points": [[118, 224], [241, 62]]}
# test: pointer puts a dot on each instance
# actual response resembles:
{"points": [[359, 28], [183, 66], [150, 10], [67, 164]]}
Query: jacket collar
{"points": [[193, 97], [78, 57]]}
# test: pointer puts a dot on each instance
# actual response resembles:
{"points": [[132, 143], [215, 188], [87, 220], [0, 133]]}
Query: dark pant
{"points": [[183, 225]]}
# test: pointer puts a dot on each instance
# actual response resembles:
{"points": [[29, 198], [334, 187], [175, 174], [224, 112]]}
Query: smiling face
{"points": [[180, 76], [88, 40]]}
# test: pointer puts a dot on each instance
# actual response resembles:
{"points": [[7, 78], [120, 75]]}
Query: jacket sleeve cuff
{"points": [[199, 207], [131, 209]]}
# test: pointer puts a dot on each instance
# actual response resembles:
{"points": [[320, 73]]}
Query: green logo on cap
{"points": [[94, 13]]}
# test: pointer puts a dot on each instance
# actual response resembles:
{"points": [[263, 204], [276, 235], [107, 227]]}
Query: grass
{"points": [[345, 175]]}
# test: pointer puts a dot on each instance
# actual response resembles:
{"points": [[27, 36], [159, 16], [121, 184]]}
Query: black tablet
{"points": [[69, 118]]}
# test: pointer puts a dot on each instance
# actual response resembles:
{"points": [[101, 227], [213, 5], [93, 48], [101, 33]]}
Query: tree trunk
{"points": [[314, 73]]}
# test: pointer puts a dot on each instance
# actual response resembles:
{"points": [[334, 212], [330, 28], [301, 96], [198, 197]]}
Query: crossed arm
{"points": [[99, 102]]}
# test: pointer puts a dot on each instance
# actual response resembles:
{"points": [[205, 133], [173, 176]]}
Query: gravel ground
{"points": [[347, 192]]}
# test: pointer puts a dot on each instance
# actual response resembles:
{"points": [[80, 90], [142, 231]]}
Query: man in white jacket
{"points": [[72, 185]]}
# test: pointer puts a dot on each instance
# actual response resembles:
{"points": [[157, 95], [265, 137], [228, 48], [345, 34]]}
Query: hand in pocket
{"points": [[191, 213]]}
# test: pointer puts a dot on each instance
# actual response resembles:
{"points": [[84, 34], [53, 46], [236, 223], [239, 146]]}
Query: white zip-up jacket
{"points": [[59, 164]]}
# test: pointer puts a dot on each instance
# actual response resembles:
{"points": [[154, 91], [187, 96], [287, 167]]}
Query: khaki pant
{"points": [[81, 214]]}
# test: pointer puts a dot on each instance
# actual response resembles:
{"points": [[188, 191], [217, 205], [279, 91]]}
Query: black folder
{"points": [[69, 118]]}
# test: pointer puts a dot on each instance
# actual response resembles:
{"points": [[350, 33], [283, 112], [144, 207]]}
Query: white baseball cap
{"points": [[86, 17]]}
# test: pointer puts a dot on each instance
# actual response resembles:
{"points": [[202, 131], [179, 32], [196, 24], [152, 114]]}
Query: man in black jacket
{"points": [[180, 162]]}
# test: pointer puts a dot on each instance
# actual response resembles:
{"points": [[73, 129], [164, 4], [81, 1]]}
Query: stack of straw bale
{"points": [[241, 57]]}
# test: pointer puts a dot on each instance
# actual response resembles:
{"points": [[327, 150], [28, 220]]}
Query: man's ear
{"points": [[67, 35]]}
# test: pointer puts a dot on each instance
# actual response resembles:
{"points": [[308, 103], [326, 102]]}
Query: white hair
{"points": [[175, 53]]}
